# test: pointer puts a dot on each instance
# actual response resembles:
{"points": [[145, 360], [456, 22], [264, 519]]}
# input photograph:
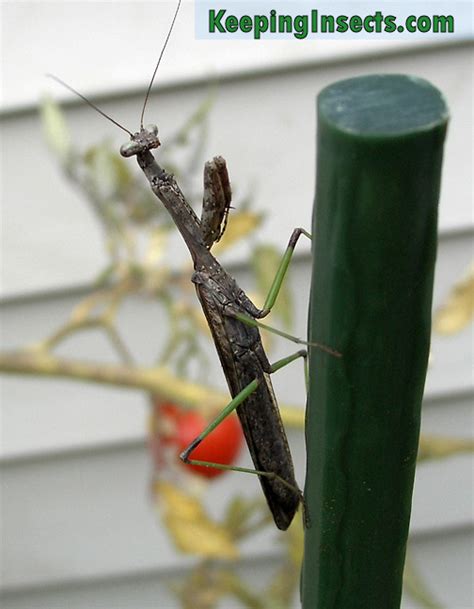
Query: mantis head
{"points": [[143, 140]]}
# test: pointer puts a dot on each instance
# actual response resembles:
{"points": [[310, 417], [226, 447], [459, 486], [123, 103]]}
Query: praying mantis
{"points": [[231, 316]]}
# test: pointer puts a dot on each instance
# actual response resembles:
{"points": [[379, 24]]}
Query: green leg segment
{"points": [[281, 272], [245, 470], [258, 324], [231, 406], [273, 295]]}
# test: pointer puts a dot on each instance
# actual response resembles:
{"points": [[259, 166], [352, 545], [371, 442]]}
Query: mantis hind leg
{"points": [[231, 406], [246, 319]]}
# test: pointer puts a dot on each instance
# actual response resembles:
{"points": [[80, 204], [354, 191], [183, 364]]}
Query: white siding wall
{"points": [[78, 529]]}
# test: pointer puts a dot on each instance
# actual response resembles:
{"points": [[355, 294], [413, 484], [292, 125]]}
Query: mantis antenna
{"points": [[158, 64], [97, 109], [61, 82]]}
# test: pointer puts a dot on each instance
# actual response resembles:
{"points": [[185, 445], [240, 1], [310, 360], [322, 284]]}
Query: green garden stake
{"points": [[380, 147]]}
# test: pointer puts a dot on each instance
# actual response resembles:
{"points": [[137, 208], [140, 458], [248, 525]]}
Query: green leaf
{"points": [[240, 512], [123, 174], [55, 129], [105, 276], [106, 171]]}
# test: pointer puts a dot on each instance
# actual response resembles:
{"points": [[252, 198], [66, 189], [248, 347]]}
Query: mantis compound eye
{"points": [[130, 148]]}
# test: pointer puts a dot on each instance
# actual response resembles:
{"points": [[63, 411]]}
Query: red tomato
{"points": [[177, 427], [221, 446]]}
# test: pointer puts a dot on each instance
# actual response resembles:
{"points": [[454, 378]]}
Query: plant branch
{"points": [[65, 331], [156, 380], [118, 343]]}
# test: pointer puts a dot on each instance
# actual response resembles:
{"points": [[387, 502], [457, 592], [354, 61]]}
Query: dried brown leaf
{"points": [[55, 129], [295, 540], [192, 530], [457, 312], [156, 246], [438, 447], [240, 225], [416, 587], [292, 416]]}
